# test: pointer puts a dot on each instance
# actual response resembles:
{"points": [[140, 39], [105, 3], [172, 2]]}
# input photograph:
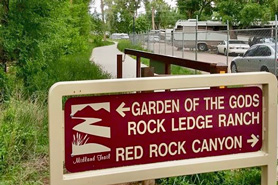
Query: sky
{"points": [[96, 6]]}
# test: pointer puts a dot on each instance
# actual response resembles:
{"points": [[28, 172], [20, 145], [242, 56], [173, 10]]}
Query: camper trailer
{"points": [[208, 36]]}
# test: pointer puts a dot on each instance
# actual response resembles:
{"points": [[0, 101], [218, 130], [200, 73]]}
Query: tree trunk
{"points": [[233, 34], [102, 17], [153, 23]]}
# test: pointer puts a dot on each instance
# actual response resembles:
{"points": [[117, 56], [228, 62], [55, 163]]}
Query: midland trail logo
{"points": [[84, 132]]}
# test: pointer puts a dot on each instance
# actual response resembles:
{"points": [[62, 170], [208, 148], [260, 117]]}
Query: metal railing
{"points": [[166, 62]]}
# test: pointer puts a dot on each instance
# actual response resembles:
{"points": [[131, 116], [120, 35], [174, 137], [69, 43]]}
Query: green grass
{"points": [[24, 141], [123, 44], [177, 70], [248, 176]]}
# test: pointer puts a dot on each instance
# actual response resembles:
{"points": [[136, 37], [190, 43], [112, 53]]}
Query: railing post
{"points": [[167, 69], [119, 66], [212, 68], [218, 68], [221, 68], [147, 71], [138, 67]]}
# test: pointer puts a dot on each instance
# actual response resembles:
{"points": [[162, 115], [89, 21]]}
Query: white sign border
{"points": [[266, 158]]}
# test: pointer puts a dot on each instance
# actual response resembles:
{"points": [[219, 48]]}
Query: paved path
{"points": [[106, 57]]}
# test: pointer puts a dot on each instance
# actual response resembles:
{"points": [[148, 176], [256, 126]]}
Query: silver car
{"points": [[259, 57]]}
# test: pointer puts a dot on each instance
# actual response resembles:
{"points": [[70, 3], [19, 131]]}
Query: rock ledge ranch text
{"points": [[188, 123]]}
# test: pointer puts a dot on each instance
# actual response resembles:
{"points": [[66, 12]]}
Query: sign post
{"points": [[108, 139]]}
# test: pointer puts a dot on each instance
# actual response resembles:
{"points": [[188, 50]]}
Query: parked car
{"points": [[235, 47], [257, 40], [259, 57], [117, 36]]}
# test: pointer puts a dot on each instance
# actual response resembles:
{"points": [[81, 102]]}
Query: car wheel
{"points": [[234, 67], [202, 47], [225, 52], [264, 68]]}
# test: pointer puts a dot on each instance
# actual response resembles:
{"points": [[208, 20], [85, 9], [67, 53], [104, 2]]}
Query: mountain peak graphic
{"points": [[95, 106]]}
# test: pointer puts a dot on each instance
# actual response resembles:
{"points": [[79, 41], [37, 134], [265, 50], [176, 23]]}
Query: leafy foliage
{"points": [[38, 33], [141, 24], [243, 13], [192, 8]]}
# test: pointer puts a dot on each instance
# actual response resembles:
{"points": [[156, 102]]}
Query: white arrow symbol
{"points": [[121, 109], [254, 140]]}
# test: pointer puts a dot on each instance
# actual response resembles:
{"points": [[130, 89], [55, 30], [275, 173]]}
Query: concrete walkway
{"points": [[106, 58]]}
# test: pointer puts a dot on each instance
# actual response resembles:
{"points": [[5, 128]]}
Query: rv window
{"points": [[179, 28]]}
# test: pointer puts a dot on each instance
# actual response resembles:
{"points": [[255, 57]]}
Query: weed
{"points": [[23, 136]]}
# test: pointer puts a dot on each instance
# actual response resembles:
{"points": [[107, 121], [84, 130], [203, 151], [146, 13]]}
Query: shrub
{"points": [[68, 68]]}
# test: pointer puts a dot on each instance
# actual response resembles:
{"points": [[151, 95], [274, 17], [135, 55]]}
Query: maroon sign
{"points": [[131, 129]]}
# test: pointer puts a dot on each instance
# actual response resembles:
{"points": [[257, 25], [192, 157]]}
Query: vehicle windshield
{"points": [[236, 42]]}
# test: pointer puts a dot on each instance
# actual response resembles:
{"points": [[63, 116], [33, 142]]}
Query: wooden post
{"points": [[147, 71], [218, 68], [221, 68], [138, 66], [119, 66], [148, 182], [167, 69]]}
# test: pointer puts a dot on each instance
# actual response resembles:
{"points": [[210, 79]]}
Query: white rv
{"points": [[209, 34]]}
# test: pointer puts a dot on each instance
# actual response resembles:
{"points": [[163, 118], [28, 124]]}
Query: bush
{"points": [[68, 68]]}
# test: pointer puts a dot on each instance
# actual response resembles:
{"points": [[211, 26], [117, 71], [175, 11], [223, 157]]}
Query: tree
{"points": [[243, 12], [192, 8], [166, 17], [155, 4], [161, 14], [254, 13], [34, 33], [141, 24], [120, 13]]}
